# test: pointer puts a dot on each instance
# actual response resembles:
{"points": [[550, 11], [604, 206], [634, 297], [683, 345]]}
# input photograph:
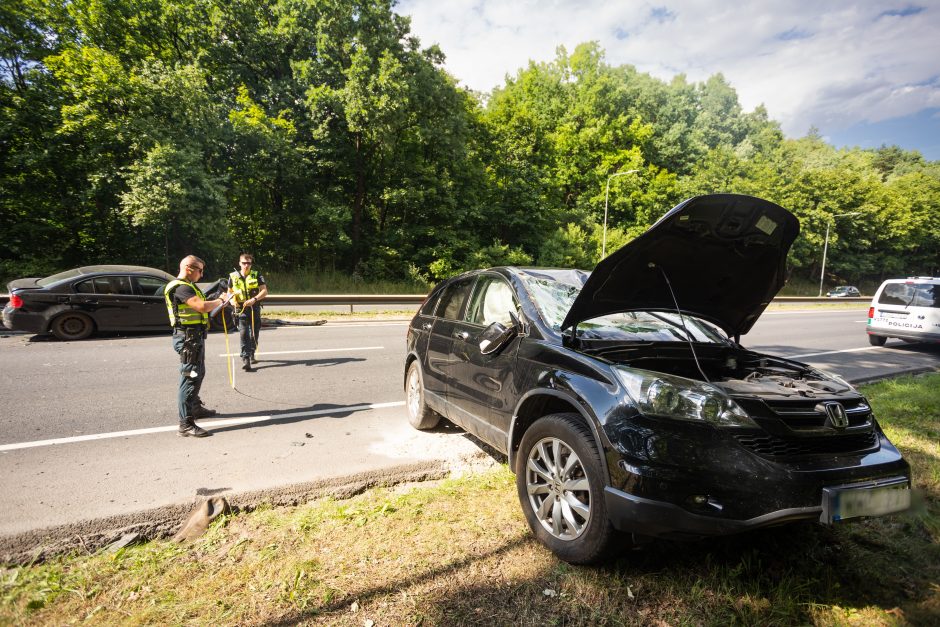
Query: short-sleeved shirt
{"points": [[182, 293]]}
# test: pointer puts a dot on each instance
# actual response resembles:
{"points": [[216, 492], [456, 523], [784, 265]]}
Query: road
{"points": [[88, 428]]}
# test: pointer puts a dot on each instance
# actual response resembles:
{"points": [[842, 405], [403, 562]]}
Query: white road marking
{"points": [[808, 311], [847, 350], [311, 350], [223, 422]]}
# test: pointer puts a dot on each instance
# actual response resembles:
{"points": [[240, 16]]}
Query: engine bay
{"points": [[736, 370]]}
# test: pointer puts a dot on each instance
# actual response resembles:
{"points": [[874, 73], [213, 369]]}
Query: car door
{"points": [[113, 304], [152, 306], [439, 361], [483, 388]]}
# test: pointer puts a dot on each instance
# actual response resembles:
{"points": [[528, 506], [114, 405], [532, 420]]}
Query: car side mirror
{"points": [[496, 336]]}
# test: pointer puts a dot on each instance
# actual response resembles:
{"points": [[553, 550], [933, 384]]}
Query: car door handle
{"points": [[462, 335]]}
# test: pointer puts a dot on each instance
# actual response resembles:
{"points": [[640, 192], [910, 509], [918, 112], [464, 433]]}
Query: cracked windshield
{"points": [[554, 300]]}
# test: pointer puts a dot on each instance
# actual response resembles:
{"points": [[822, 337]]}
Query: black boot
{"points": [[201, 411], [190, 429], [246, 365]]}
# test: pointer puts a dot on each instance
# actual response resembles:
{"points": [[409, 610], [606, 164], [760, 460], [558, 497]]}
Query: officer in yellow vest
{"points": [[248, 289], [189, 310]]}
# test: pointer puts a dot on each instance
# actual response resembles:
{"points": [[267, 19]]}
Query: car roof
{"points": [[110, 269]]}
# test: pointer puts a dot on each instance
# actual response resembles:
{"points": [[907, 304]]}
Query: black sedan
{"points": [[76, 303], [625, 401]]}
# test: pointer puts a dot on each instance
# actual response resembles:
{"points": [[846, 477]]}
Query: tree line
{"points": [[320, 134]]}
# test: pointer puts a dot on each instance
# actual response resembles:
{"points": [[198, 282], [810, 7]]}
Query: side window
{"points": [[149, 286], [85, 287], [427, 309], [113, 285], [492, 301], [452, 301]]}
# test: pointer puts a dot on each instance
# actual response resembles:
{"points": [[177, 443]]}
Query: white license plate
{"points": [[857, 501], [892, 314]]}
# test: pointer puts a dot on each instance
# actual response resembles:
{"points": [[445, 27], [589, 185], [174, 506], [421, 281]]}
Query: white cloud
{"points": [[829, 64]]}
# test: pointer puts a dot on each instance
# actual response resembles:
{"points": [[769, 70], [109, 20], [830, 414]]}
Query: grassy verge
{"points": [[816, 306], [311, 282], [459, 553], [285, 313], [288, 314]]}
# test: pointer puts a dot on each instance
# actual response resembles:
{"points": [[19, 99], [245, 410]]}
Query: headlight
{"points": [[668, 396]]}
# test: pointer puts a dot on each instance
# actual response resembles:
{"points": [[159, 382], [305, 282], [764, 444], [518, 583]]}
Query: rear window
{"points": [[55, 278], [910, 295]]}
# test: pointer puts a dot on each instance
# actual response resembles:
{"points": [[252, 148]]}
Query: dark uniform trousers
{"points": [[187, 397], [249, 330]]}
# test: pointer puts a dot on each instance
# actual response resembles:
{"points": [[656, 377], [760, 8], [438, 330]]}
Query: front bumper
{"points": [[630, 513]]}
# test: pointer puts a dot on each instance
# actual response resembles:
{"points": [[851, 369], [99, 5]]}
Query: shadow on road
{"points": [[265, 364], [291, 416]]}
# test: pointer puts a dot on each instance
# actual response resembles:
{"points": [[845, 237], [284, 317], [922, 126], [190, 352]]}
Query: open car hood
{"points": [[723, 254]]}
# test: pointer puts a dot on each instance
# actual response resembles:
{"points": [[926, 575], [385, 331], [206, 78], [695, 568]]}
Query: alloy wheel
{"points": [[413, 393], [558, 488]]}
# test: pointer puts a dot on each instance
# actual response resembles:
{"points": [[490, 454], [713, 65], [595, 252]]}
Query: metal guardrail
{"points": [[326, 299], [823, 299], [417, 299]]}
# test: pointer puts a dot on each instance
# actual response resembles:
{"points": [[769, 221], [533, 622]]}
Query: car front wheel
{"points": [[420, 416], [72, 326], [877, 340], [559, 479]]}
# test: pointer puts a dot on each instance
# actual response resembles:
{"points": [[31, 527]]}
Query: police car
{"points": [[908, 309]]}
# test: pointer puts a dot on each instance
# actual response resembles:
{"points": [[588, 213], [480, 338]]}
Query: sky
{"points": [[863, 73]]}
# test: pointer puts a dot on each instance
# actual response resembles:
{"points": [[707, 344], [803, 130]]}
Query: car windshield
{"points": [[554, 299], [55, 278]]}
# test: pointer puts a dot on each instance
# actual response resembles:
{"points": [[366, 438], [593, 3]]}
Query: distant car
{"points": [[908, 309], [624, 400], [74, 304], [843, 291]]}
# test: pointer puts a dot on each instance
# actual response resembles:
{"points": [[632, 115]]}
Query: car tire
{"points": [[420, 416], [581, 534], [72, 326], [877, 340]]}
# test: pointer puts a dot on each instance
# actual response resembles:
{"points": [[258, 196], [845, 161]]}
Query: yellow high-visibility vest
{"points": [[186, 315]]}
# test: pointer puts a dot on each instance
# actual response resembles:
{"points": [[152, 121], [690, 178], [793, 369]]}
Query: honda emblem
{"points": [[837, 416]]}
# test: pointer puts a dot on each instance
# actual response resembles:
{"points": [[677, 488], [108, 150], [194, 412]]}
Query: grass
{"points": [[288, 314], [459, 553], [367, 314], [311, 282]]}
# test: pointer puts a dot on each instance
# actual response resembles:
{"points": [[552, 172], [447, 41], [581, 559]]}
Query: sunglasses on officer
{"points": [[199, 269]]}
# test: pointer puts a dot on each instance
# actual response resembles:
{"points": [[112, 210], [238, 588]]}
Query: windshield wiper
{"points": [[688, 338]]}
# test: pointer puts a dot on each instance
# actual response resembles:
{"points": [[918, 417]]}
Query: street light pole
{"points": [[606, 195], [822, 273]]}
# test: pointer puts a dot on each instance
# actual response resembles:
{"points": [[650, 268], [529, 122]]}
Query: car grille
{"points": [[805, 426], [770, 446]]}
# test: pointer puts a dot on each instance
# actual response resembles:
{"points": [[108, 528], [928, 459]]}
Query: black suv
{"points": [[624, 400]]}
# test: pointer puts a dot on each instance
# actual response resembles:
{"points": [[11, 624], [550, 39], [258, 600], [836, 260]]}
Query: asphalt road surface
{"points": [[88, 428]]}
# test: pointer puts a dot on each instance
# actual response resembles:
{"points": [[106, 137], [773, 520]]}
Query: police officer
{"points": [[248, 289], [189, 316]]}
